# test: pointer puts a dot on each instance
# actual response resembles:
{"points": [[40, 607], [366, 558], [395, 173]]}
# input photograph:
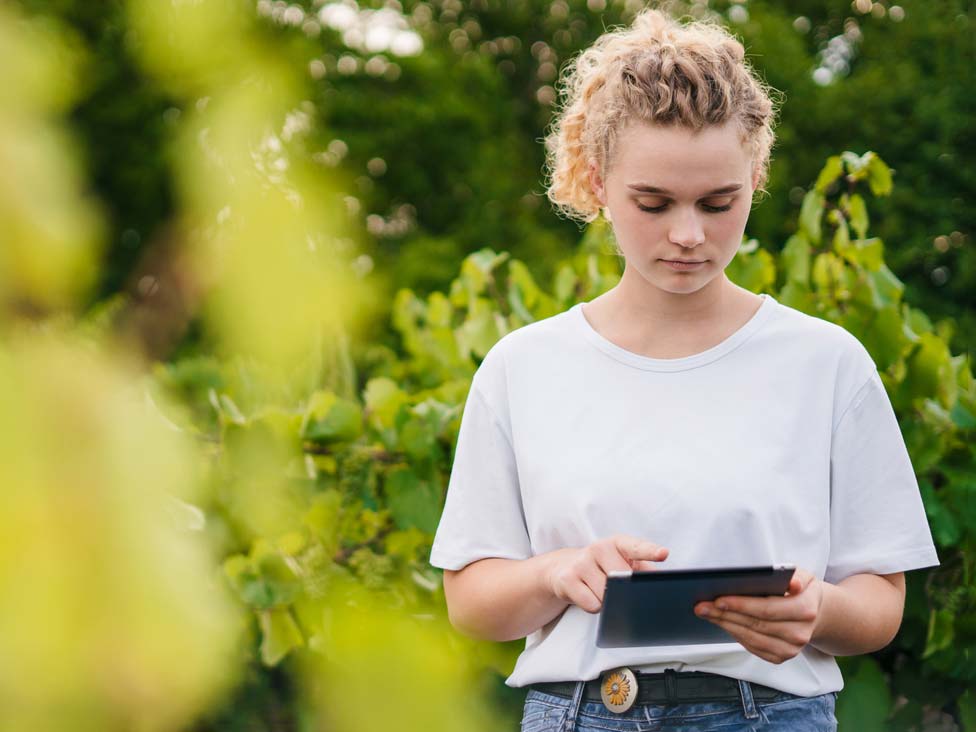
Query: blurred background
{"points": [[251, 253]]}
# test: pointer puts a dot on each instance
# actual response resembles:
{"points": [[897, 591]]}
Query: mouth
{"points": [[683, 265]]}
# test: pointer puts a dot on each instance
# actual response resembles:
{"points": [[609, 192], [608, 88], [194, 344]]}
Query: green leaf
{"points": [[331, 419], [477, 269], [322, 518], [963, 417], [798, 296], [810, 214], [383, 398], [866, 701], [828, 270], [842, 236], [413, 502], [856, 164], [869, 253], [857, 212], [832, 169], [279, 635], [565, 284], [930, 372], [941, 632], [439, 310], [887, 287], [795, 259], [879, 176], [756, 272], [517, 302], [480, 330], [408, 544], [418, 437], [945, 528], [881, 332], [967, 710]]}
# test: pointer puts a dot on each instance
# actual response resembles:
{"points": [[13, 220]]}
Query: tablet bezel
{"points": [[627, 618]]}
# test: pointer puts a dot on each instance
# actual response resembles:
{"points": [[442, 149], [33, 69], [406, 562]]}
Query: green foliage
{"points": [[375, 468]]}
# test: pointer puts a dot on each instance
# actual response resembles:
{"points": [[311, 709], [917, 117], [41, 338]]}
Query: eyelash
{"points": [[710, 209]]}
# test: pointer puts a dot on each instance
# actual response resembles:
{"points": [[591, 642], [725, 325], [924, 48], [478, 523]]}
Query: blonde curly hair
{"points": [[662, 71]]}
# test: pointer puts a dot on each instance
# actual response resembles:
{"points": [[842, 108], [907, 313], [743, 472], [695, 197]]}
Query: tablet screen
{"points": [[657, 607]]}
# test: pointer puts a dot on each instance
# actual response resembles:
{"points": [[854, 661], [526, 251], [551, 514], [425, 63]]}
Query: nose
{"points": [[687, 230]]}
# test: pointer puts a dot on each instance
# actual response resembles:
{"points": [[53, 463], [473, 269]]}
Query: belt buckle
{"points": [[618, 689]]}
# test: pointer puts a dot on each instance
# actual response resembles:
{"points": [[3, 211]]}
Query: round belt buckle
{"points": [[618, 689]]}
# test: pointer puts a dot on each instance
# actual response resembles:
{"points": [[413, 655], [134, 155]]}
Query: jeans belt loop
{"points": [[671, 685]]}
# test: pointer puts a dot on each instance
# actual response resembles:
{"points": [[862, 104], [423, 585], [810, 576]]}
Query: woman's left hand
{"points": [[773, 628]]}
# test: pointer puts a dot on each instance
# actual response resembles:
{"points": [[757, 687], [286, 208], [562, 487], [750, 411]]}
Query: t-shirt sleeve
{"points": [[877, 519], [483, 515]]}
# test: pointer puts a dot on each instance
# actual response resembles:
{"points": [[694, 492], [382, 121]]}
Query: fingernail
{"points": [[704, 612], [720, 605]]}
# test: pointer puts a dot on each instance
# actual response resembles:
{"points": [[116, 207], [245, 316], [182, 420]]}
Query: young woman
{"points": [[677, 420]]}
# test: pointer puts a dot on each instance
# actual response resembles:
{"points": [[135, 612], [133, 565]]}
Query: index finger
{"points": [[631, 547]]}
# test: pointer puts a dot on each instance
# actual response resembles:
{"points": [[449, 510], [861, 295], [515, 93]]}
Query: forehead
{"points": [[679, 159]]}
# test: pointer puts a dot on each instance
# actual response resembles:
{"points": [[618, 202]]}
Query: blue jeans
{"points": [[790, 713]]}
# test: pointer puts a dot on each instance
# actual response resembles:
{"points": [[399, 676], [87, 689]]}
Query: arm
{"points": [[504, 599], [860, 614]]}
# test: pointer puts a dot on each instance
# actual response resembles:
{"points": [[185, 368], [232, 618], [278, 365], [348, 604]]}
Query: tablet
{"points": [[657, 607]]}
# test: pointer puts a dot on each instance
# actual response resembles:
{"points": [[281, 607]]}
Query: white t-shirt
{"points": [[777, 445]]}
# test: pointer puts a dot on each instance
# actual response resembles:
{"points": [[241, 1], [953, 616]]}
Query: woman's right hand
{"points": [[579, 575]]}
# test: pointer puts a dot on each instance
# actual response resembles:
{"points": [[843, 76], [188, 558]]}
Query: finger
{"points": [[608, 559], [646, 565], [581, 594], [790, 630], [595, 579], [631, 547], [766, 608], [772, 648]]}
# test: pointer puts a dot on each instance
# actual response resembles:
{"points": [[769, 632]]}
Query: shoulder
{"points": [[815, 335], [823, 347], [529, 346]]}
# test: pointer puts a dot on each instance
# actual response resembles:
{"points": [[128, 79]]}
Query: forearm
{"points": [[860, 614], [503, 599]]}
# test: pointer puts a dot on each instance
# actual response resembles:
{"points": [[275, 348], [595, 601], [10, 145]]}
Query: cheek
{"points": [[731, 223]]}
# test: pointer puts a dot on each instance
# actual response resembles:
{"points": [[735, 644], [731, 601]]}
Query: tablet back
{"points": [[657, 608]]}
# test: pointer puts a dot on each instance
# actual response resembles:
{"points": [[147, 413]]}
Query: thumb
{"points": [[799, 581]]}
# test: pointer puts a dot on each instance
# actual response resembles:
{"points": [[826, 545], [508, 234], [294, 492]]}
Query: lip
{"points": [[683, 265]]}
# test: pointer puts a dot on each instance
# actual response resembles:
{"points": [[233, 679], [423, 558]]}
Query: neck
{"points": [[636, 301]]}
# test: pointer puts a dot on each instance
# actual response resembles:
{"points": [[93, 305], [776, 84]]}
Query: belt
{"points": [[621, 688]]}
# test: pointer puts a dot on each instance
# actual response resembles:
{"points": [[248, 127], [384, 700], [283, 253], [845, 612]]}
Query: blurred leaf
{"points": [[795, 260], [413, 502], [756, 272], [383, 399], [279, 635], [866, 701], [329, 418], [858, 214], [831, 170], [810, 214]]}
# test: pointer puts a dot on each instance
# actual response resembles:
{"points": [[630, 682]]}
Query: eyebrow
{"points": [[648, 188]]}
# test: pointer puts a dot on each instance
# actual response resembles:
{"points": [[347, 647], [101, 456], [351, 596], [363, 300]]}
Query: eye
{"points": [[710, 209]]}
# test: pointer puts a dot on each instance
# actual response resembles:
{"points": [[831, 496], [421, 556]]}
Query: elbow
{"points": [[472, 628], [458, 614]]}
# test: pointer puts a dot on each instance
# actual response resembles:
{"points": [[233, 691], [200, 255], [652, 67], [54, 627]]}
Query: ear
{"points": [[596, 183], [755, 179]]}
